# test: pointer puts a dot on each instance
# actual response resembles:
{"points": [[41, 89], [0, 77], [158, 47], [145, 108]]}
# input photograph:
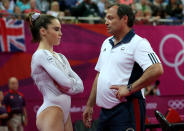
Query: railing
{"points": [[92, 20]]}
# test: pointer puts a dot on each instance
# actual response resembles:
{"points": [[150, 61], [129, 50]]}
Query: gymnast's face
{"points": [[53, 32]]}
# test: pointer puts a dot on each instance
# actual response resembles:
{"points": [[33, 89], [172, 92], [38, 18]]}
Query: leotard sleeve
{"points": [[70, 84], [79, 84]]}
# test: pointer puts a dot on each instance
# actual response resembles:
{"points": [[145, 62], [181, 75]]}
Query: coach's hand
{"points": [[121, 91], [87, 116]]}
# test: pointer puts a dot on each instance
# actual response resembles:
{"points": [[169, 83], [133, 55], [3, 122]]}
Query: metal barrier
{"points": [[92, 19]]}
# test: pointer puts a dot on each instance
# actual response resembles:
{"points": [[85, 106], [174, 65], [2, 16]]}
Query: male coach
{"points": [[126, 64]]}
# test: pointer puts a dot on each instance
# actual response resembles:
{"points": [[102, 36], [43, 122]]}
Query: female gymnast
{"points": [[52, 74]]}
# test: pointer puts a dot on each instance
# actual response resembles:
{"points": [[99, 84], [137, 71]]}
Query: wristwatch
{"points": [[129, 87]]}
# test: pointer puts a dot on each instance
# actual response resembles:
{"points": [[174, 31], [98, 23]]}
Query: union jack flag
{"points": [[12, 37]]}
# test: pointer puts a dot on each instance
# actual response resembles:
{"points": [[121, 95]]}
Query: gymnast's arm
{"points": [[79, 86], [67, 83]]}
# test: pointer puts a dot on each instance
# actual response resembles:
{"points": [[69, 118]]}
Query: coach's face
{"points": [[112, 21]]}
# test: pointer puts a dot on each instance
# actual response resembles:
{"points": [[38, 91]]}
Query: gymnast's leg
{"points": [[68, 124], [51, 119]]}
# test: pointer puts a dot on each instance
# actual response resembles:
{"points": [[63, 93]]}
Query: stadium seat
{"points": [[167, 126], [79, 126]]}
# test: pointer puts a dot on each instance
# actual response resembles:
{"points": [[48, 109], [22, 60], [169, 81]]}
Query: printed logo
{"points": [[176, 104], [151, 106], [179, 59], [130, 129]]}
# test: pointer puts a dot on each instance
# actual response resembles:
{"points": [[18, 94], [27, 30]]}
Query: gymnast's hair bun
{"points": [[32, 17]]}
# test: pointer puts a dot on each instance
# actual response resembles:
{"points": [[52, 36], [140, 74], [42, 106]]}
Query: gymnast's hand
{"points": [[87, 116]]}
